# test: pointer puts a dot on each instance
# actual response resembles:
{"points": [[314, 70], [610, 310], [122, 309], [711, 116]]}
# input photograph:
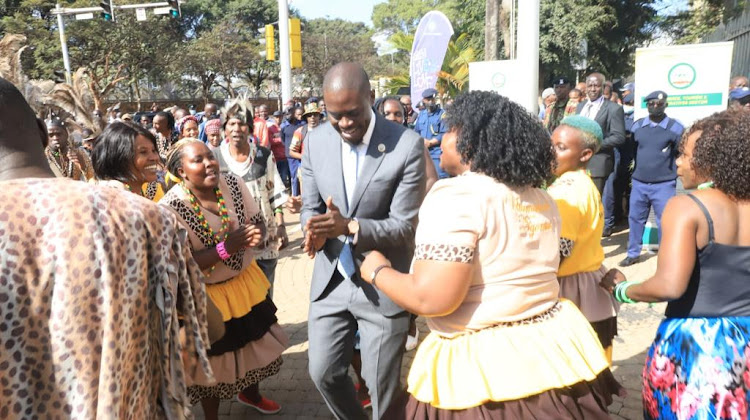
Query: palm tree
{"points": [[453, 77]]}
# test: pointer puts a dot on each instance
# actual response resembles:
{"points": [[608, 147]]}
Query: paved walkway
{"points": [[293, 389]]}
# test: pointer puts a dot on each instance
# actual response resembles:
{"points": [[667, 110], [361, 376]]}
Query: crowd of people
{"points": [[138, 263]]}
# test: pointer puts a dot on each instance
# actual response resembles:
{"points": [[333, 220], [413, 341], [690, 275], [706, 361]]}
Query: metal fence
{"points": [[737, 30]]}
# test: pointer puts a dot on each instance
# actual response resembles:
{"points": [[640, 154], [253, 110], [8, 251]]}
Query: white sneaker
{"points": [[412, 341]]}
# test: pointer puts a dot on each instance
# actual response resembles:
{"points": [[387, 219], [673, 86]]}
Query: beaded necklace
{"points": [[53, 157], [223, 213]]}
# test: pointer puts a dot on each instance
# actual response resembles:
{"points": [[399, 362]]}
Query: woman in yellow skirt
{"points": [[224, 225], [502, 344], [576, 140]]}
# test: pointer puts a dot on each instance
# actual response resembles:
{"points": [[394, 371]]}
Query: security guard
{"points": [[657, 138], [431, 127]]}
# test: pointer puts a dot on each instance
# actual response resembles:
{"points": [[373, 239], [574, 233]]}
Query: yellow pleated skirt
{"points": [[507, 362], [235, 298]]}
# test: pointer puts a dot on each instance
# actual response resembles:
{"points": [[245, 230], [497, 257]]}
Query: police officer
{"points": [[431, 127], [740, 98], [655, 177]]}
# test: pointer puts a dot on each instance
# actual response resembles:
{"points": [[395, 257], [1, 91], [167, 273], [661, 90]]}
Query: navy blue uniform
{"points": [[430, 125], [655, 175], [287, 133]]}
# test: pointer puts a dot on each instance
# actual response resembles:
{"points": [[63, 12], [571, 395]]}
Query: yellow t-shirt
{"points": [[582, 215]]}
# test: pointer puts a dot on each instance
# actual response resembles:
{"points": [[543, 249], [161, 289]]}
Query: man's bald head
{"points": [[346, 90], [595, 86], [22, 136], [347, 76], [598, 76]]}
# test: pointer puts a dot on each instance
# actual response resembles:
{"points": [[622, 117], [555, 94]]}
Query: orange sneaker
{"points": [[265, 405]]}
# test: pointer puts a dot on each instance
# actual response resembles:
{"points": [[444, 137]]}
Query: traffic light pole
{"points": [[64, 44], [61, 12], [284, 56]]}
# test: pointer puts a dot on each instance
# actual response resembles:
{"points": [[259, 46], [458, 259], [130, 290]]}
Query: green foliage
{"points": [[326, 42], [613, 29], [214, 44], [466, 16], [690, 26]]}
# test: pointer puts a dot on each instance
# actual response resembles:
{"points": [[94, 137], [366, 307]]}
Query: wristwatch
{"points": [[353, 227]]}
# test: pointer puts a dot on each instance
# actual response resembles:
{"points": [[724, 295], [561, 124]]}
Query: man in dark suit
{"points": [[611, 119], [362, 185]]}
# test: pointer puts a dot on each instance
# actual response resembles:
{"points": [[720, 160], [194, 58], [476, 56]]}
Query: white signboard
{"points": [[695, 78], [161, 10], [84, 16], [140, 14], [505, 77]]}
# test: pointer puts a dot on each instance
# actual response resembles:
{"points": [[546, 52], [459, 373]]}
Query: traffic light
{"points": [[108, 12], [174, 8], [60, 76], [270, 45], [295, 43]]}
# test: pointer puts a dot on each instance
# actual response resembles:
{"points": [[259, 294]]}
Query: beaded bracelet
{"points": [[620, 292], [222, 250]]}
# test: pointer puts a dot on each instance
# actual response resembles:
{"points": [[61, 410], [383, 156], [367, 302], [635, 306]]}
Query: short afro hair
{"points": [[722, 152], [499, 138]]}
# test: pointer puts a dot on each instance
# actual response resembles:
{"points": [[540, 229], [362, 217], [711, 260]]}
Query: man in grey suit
{"points": [[611, 119], [362, 185]]}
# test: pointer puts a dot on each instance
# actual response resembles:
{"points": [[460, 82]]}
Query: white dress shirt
{"points": [[592, 108], [352, 159]]}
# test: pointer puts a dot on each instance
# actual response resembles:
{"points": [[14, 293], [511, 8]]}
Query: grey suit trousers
{"points": [[333, 321]]}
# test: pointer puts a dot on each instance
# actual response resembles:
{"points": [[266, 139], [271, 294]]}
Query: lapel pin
{"points": [[381, 148]]}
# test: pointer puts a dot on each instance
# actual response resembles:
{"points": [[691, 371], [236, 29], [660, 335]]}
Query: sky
{"points": [[352, 10]]}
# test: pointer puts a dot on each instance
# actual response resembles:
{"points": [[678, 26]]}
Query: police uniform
{"points": [[655, 176], [430, 125]]}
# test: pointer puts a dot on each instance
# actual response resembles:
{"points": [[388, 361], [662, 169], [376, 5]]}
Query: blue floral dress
{"points": [[697, 367]]}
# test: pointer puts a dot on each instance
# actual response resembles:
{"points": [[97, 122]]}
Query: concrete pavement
{"points": [[293, 389]]}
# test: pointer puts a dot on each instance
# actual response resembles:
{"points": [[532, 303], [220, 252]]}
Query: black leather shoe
{"points": [[628, 262], [607, 232]]}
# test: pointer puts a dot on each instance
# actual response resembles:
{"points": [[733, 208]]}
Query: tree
{"points": [[326, 42], [466, 16], [691, 25], [612, 28]]}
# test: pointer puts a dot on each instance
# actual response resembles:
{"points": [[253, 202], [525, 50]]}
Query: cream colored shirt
{"points": [[511, 236]]}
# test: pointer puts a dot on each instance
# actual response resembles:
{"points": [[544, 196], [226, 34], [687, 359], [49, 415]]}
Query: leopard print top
{"points": [[444, 252], [94, 280], [231, 187]]}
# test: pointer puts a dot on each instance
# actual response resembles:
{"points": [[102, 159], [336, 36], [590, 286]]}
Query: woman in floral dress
{"points": [[697, 367]]}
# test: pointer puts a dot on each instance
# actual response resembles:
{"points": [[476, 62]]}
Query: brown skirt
{"points": [[606, 330], [582, 401]]}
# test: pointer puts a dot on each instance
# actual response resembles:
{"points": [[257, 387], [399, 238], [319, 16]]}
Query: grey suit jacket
{"points": [[386, 199], [611, 119]]}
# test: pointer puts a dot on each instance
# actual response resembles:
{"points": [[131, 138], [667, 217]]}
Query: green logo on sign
{"points": [[681, 76]]}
